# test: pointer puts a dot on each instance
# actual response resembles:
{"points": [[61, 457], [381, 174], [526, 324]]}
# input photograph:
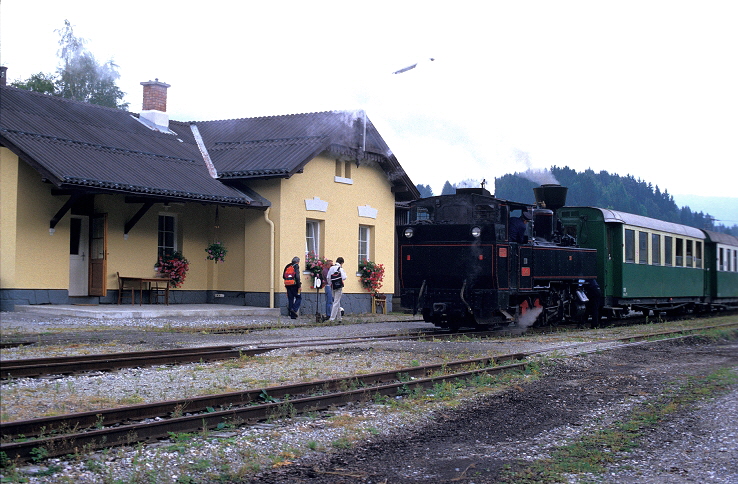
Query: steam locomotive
{"points": [[459, 266]]}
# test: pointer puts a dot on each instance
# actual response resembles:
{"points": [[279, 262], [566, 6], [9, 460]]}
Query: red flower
{"points": [[174, 266], [371, 275]]}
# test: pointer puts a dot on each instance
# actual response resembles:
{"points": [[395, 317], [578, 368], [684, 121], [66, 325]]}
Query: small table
{"points": [[153, 285]]}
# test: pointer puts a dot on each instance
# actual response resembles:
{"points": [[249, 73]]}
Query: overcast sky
{"points": [[647, 88]]}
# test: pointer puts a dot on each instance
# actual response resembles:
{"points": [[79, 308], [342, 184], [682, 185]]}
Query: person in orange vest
{"points": [[293, 284]]}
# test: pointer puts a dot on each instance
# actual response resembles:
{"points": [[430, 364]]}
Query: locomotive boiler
{"points": [[461, 266]]}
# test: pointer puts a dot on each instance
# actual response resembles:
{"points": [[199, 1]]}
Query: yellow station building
{"points": [[88, 193]]}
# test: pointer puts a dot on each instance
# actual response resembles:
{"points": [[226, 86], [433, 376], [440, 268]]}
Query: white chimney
{"points": [[155, 104]]}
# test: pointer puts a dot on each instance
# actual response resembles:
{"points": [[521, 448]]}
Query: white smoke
{"points": [[536, 175], [469, 183], [528, 318]]}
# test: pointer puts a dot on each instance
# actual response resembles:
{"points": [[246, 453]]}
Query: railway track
{"points": [[64, 365], [88, 431]]}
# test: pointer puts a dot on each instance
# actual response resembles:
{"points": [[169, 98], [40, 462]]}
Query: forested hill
{"points": [[604, 190]]}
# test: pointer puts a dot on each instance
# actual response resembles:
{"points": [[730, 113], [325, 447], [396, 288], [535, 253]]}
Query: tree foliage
{"points": [[448, 189], [79, 75], [425, 190], [40, 82], [605, 190]]}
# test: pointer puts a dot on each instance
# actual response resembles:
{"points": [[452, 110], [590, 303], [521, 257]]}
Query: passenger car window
{"points": [[642, 248], [629, 245], [656, 249]]}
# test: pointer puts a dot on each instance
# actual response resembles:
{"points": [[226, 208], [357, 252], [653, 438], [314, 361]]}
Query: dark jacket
{"points": [[298, 282], [516, 231]]}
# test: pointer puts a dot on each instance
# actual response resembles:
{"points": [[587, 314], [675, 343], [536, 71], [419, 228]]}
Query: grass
{"points": [[595, 452]]}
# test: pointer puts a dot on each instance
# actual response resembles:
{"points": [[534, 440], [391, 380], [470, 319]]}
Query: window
{"points": [[343, 169], [75, 235], [642, 248], [668, 251], [655, 249], [630, 245], [422, 213], [167, 235], [698, 254], [735, 261], [680, 252], [690, 254], [312, 237], [364, 243]]}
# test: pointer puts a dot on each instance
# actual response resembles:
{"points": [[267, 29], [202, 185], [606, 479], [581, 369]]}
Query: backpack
{"points": [[289, 275], [336, 280]]}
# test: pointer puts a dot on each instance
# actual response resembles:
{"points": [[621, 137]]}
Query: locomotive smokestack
{"points": [[551, 196]]}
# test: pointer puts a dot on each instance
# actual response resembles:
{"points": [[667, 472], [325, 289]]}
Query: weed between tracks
{"points": [[595, 452], [196, 458]]}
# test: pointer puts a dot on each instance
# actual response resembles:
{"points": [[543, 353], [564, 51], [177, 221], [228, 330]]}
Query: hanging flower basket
{"points": [[217, 252], [371, 276], [314, 264], [174, 266]]}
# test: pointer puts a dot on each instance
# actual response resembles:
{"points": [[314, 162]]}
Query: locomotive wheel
{"points": [[554, 309]]}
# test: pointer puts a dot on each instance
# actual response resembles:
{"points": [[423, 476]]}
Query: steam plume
{"points": [[527, 319], [542, 177]]}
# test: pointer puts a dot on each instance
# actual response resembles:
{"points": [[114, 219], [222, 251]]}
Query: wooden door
{"points": [[98, 254]]}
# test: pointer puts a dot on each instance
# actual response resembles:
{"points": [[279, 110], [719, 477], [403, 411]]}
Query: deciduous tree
{"points": [[79, 75]]}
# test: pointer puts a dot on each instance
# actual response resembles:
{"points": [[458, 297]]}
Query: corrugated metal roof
{"points": [[79, 144], [265, 158], [282, 145]]}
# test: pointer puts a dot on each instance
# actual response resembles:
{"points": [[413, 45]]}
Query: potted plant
{"points": [[314, 264], [371, 275], [174, 266], [216, 251]]}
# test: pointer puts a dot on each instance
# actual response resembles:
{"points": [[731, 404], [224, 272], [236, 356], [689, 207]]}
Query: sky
{"points": [[642, 88]]}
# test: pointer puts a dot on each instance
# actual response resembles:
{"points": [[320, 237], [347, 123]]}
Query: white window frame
{"points": [[162, 248], [365, 243], [312, 237]]}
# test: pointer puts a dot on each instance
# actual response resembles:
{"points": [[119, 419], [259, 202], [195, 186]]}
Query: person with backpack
{"points": [[327, 288], [291, 276], [335, 277]]}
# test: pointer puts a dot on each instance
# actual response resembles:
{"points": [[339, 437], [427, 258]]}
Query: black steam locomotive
{"points": [[459, 267]]}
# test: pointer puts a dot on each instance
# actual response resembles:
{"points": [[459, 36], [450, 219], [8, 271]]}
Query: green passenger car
{"points": [[722, 264], [643, 264]]}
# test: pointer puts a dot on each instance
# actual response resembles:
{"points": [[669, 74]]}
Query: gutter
{"points": [[271, 257]]}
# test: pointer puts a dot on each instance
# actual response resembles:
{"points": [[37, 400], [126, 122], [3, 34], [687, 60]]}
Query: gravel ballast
{"points": [[473, 438]]}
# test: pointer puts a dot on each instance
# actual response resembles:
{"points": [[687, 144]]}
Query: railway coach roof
{"points": [[614, 216], [722, 238]]}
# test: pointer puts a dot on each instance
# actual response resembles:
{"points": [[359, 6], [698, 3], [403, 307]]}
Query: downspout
{"points": [[271, 257]]}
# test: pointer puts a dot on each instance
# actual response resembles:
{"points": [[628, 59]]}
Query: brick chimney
{"points": [[155, 103]]}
